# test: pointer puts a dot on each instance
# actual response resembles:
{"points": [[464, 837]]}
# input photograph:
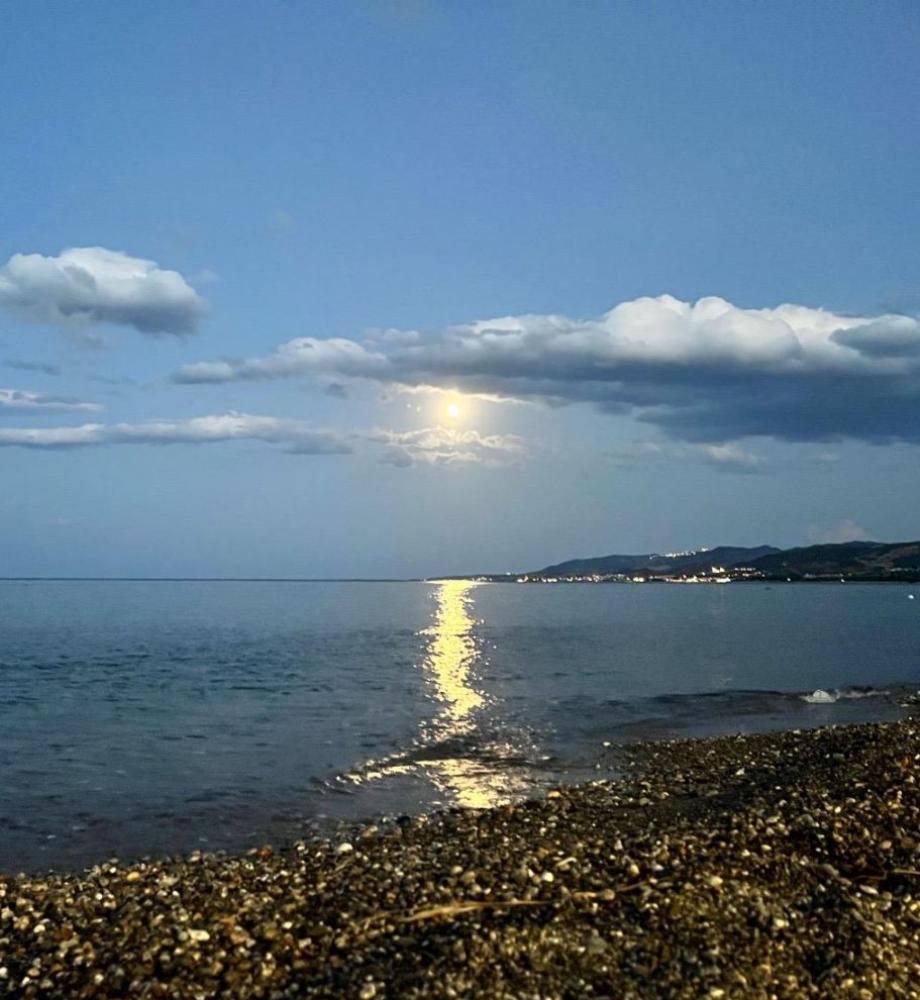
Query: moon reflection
{"points": [[472, 782], [450, 750], [451, 656]]}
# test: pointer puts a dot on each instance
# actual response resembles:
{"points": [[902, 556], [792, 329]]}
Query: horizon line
{"points": [[214, 579]]}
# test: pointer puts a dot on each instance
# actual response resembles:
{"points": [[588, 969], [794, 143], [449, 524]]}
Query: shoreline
{"points": [[780, 864]]}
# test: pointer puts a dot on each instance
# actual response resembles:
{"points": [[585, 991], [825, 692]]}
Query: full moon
{"points": [[453, 411]]}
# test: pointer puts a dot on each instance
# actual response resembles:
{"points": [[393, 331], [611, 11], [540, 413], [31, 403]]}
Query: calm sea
{"points": [[150, 717]]}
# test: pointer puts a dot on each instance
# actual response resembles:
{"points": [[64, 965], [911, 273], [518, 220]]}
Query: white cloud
{"points": [[95, 285], [427, 446], [446, 446], [421, 389], [21, 401], [299, 437], [707, 371], [296, 357], [731, 457]]}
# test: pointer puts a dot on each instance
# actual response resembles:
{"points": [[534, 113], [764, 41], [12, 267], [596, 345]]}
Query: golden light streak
{"points": [[450, 668], [450, 664], [452, 654]]}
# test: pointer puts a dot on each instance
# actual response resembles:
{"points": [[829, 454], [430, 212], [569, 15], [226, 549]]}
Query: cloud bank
{"points": [[21, 402], [426, 447], [95, 285], [707, 371], [299, 438]]}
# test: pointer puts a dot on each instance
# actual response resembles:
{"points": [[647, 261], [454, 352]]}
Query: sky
{"points": [[420, 287]]}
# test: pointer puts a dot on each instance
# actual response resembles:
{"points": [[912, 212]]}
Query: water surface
{"points": [[148, 717]]}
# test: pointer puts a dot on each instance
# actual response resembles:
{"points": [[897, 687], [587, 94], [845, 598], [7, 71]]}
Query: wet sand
{"points": [[779, 865]]}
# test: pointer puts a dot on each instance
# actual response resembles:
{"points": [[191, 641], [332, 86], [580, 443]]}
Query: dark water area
{"points": [[150, 717]]}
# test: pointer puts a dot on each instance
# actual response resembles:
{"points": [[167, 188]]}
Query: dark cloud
{"points": [[897, 338]]}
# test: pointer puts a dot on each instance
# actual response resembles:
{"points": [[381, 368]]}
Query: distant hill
{"points": [[856, 560], [657, 564], [852, 560]]}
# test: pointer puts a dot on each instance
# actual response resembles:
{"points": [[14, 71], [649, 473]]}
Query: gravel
{"points": [[768, 866]]}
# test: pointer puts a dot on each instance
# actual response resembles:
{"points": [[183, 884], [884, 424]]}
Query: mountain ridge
{"points": [[692, 561], [855, 560]]}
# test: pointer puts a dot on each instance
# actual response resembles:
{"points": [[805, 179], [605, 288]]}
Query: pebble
{"points": [[423, 915]]}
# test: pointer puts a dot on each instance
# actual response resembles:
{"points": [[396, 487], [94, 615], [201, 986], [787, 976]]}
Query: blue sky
{"points": [[662, 259]]}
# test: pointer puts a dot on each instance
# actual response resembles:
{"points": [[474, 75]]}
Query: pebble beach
{"points": [[766, 866]]}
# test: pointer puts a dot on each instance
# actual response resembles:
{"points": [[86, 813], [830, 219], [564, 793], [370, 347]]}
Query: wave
{"points": [[820, 696], [498, 752], [510, 749], [732, 702]]}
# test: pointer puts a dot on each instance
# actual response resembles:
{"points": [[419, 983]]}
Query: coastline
{"points": [[783, 864]]}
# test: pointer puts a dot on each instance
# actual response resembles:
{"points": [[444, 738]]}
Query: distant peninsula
{"points": [[847, 561]]}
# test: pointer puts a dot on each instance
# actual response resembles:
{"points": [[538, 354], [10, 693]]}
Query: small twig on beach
{"points": [[473, 905], [459, 907], [453, 909]]}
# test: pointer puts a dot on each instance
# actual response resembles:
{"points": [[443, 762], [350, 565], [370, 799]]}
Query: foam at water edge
{"points": [[822, 697]]}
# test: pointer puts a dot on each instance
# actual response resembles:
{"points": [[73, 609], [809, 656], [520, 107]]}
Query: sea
{"points": [[151, 717]]}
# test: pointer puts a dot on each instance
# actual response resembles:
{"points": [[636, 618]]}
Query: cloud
{"points": [[731, 458], [891, 337], [298, 437], [393, 390], [706, 372], [297, 357], [32, 366], [22, 402], [114, 380], [840, 531], [446, 446], [427, 446], [95, 285]]}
